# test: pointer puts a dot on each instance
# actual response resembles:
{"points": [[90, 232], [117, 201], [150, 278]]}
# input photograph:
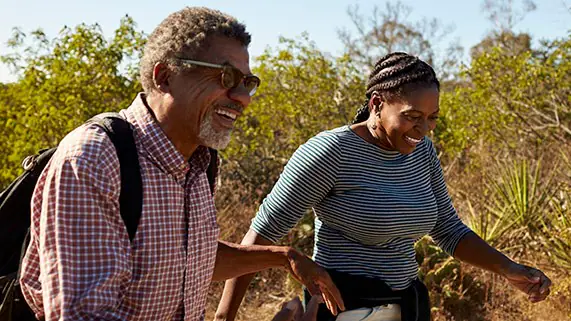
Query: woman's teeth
{"points": [[412, 140]]}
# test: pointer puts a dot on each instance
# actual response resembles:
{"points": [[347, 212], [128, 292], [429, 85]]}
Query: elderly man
{"points": [[80, 264]]}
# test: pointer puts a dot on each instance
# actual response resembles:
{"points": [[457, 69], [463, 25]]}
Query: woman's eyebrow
{"points": [[410, 109]]}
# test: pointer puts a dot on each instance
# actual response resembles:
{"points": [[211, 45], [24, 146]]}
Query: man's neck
{"points": [[157, 108]]}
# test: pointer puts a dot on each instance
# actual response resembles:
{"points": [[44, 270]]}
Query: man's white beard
{"points": [[210, 137]]}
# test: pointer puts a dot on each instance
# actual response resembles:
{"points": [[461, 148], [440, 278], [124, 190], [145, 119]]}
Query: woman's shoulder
{"points": [[326, 143], [425, 150], [330, 137], [427, 146], [340, 132], [337, 135]]}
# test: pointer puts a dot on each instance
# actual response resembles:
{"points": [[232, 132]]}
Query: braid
{"points": [[362, 113], [393, 76]]}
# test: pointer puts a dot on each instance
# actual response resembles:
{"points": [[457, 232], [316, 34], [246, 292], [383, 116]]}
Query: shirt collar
{"points": [[157, 145]]}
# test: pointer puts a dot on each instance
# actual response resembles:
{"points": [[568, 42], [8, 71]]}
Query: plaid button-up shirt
{"points": [[80, 264]]}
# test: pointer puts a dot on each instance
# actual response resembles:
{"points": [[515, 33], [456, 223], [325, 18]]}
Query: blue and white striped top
{"points": [[371, 205]]}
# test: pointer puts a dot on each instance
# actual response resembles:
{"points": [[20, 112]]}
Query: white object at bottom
{"points": [[389, 312]]}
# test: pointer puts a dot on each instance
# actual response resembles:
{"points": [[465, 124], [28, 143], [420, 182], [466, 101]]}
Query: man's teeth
{"points": [[413, 140], [226, 113]]}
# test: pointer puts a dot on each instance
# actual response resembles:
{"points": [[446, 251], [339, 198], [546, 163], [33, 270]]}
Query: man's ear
{"points": [[161, 77]]}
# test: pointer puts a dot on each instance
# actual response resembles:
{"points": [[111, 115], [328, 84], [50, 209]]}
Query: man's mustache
{"points": [[234, 106]]}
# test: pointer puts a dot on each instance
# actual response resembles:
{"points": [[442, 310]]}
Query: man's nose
{"points": [[241, 95]]}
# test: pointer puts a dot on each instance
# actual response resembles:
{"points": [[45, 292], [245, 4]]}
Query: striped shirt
{"points": [[371, 205], [80, 264]]}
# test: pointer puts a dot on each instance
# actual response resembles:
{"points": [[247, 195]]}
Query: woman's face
{"points": [[403, 122]]}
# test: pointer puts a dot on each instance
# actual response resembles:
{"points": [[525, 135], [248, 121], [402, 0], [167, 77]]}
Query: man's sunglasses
{"points": [[231, 77]]}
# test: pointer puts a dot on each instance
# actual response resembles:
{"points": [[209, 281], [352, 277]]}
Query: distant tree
{"points": [[390, 29], [512, 101], [504, 16], [61, 83], [509, 42]]}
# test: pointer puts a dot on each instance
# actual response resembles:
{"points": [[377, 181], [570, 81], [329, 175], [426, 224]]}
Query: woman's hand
{"points": [[529, 280], [316, 279], [293, 310], [473, 250]]}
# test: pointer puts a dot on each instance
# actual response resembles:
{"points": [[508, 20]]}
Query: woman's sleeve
{"points": [[306, 179], [449, 229]]}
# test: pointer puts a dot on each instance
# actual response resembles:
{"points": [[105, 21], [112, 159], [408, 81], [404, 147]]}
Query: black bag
{"points": [[15, 209]]}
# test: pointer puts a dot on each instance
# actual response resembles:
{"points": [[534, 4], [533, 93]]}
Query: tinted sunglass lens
{"points": [[251, 83], [228, 78]]}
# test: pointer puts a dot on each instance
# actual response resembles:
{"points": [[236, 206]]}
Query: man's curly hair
{"points": [[186, 32]]}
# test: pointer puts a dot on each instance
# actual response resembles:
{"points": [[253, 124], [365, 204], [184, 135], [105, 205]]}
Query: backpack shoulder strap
{"points": [[212, 170], [120, 132]]}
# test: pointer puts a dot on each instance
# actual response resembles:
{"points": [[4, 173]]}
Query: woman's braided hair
{"points": [[395, 75]]}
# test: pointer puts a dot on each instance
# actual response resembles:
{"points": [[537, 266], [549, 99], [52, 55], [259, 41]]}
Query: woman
{"points": [[376, 187]]}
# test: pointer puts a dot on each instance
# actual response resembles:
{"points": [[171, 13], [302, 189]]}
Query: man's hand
{"points": [[316, 279], [293, 310], [529, 280]]}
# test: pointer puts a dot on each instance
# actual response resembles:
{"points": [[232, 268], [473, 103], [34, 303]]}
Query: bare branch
{"points": [[504, 15], [389, 29]]}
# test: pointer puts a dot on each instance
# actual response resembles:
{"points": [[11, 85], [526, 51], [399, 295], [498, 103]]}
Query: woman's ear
{"points": [[375, 103]]}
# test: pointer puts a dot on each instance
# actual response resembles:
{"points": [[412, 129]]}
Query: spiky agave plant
{"points": [[519, 199], [557, 225]]}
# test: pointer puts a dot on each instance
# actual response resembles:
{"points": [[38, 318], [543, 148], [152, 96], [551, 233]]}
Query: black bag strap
{"points": [[120, 132], [212, 170]]}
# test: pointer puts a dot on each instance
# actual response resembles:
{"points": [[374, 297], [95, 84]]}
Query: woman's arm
{"points": [[475, 251], [307, 178], [458, 240], [235, 289]]}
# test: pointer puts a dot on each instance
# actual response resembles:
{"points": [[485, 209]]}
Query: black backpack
{"points": [[15, 208]]}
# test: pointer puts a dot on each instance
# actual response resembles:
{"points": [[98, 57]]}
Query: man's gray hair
{"points": [[186, 32]]}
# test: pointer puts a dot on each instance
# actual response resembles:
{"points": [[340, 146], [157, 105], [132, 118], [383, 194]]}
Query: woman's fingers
{"points": [[312, 308]]}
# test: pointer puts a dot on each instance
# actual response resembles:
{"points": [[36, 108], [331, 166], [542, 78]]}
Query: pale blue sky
{"points": [[267, 20]]}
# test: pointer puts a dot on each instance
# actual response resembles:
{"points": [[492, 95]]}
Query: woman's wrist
{"points": [[505, 265]]}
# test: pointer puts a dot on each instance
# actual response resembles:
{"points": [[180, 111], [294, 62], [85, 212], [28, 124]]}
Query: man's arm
{"points": [[233, 260], [79, 231]]}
